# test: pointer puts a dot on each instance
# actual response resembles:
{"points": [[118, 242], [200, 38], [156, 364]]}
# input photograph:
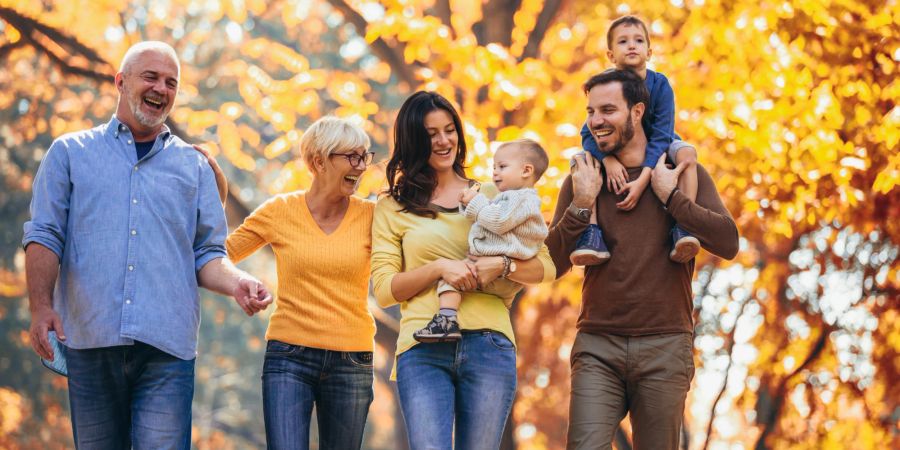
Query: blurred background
{"points": [[792, 104]]}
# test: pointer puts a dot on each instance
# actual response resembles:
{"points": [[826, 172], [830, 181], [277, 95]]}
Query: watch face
{"points": [[512, 266]]}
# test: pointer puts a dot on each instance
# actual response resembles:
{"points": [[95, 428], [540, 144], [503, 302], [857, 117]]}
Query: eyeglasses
{"points": [[355, 159]]}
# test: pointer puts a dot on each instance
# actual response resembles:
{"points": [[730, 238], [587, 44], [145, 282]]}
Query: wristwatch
{"points": [[509, 266], [581, 213]]}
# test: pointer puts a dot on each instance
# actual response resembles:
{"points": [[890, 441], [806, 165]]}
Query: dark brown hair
{"points": [[411, 180], [626, 20]]}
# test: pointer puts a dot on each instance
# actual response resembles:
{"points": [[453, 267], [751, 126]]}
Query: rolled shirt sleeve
{"points": [[51, 193], [209, 240]]}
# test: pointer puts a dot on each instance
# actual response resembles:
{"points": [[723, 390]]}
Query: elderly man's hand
{"points": [[664, 180], [251, 295]]}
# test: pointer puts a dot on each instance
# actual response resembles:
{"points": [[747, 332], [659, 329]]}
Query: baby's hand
{"points": [[467, 195]]}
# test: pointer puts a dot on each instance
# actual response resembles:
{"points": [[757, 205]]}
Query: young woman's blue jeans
{"points": [[339, 384], [471, 382], [130, 396]]}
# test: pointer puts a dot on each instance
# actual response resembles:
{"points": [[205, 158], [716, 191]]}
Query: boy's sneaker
{"points": [[590, 249], [440, 329], [684, 246]]}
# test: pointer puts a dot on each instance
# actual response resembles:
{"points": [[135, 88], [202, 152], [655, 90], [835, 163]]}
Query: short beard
{"points": [[143, 119], [624, 138]]}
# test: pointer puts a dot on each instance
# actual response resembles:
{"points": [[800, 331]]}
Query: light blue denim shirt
{"points": [[130, 235]]}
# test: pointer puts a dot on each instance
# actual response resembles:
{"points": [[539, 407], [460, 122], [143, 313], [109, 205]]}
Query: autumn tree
{"points": [[792, 105]]}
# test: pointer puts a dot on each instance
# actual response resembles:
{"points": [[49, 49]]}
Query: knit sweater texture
{"points": [[510, 224], [323, 279]]}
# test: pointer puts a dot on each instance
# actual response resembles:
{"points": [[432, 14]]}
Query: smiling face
{"points": [[147, 88], [444, 140], [629, 47], [511, 169], [610, 119], [341, 176]]}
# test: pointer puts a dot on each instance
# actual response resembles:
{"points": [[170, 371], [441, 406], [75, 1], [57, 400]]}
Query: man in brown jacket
{"points": [[634, 349]]}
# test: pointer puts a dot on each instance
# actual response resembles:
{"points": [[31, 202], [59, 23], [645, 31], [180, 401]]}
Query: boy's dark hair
{"points": [[626, 20], [411, 181], [533, 153], [633, 88]]}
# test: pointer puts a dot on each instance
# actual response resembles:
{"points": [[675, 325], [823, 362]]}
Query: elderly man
{"points": [[633, 350], [125, 223]]}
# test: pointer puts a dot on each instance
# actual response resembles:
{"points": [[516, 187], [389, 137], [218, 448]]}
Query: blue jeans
{"points": [[130, 396], [339, 384], [471, 382]]}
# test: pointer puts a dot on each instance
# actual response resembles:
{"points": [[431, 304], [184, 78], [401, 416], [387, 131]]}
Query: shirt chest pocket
{"points": [[172, 198]]}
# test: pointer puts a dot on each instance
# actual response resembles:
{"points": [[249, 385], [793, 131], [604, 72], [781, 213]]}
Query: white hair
{"points": [[148, 46], [331, 135]]}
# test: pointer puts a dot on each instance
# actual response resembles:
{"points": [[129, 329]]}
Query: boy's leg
{"points": [[443, 327], [684, 246]]}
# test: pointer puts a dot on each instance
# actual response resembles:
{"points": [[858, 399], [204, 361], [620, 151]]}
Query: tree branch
{"points": [[544, 20], [771, 422], [72, 45], [381, 49], [712, 412], [442, 10], [497, 22]]}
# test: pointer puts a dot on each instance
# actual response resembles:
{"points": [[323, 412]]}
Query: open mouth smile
{"points": [[603, 133], [442, 152], [156, 104]]}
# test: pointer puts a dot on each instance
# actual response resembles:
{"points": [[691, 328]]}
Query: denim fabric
{"points": [[339, 384], [130, 236], [471, 382], [130, 396]]}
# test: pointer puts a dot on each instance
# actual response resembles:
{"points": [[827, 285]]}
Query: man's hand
{"points": [[616, 174], [251, 295], [221, 181], [586, 182], [468, 194], [664, 180], [42, 321]]}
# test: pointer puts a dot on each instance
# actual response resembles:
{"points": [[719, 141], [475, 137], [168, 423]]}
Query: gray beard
{"points": [[143, 119]]}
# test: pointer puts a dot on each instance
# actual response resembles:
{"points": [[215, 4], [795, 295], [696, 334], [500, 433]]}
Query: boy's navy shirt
{"points": [[658, 121]]}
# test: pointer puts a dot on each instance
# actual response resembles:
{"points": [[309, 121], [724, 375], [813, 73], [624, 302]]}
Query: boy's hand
{"points": [[467, 195], [634, 189], [664, 179], [616, 174]]}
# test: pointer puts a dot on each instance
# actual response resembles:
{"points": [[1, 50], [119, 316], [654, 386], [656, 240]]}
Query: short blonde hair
{"points": [[331, 135]]}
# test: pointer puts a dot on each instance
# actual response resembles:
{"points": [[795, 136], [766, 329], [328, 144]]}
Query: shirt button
{"points": [[134, 200], [133, 232], [129, 141], [128, 301], [130, 268], [135, 168]]}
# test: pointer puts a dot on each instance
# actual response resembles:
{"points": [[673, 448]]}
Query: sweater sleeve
{"points": [[253, 233], [661, 122], [505, 212], [565, 228], [387, 252], [707, 219]]}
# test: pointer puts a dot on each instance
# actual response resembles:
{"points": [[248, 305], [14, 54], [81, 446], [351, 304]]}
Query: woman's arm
{"points": [[253, 232], [405, 285], [536, 270]]}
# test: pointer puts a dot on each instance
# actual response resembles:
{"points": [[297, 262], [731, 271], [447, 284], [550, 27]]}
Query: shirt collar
{"points": [[115, 127]]}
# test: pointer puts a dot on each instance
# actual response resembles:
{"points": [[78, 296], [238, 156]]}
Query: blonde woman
{"points": [[320, 336]]}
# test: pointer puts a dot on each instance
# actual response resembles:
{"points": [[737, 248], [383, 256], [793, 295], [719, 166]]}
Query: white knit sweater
{"points": [[510, 224]]}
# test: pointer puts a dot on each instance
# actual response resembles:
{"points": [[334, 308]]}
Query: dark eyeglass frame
{"points": [[355, 159]]}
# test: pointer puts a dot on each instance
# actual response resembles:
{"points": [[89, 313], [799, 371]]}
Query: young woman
{"points": [[418, 238]]}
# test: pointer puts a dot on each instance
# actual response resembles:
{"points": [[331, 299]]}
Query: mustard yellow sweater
{"points": [[404, 241], [323, 279]]}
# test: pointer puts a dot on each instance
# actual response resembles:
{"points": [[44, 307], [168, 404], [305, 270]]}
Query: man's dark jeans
{"points": [[339, 384], [130, 396]]}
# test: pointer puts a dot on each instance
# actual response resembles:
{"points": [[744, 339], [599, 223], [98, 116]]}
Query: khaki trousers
{"points": [[646, 376]]}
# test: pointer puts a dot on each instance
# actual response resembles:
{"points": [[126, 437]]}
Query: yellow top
{"points": [[404, 241], [323, 279]]}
